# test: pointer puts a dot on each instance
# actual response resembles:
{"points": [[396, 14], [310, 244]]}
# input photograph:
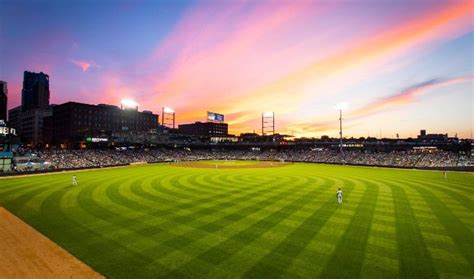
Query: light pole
{"points": [[168, 114], [340, 130], [340, 107]]}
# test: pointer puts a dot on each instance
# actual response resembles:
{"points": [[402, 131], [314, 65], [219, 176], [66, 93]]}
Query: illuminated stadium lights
{"points": [[130, 104], [268, 114], [342, 106], [168, 110], [168, 117], [268, 122]]}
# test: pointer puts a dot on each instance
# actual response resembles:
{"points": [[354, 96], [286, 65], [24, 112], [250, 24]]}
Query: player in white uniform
{"points": [[74, 180], [339, 196]]}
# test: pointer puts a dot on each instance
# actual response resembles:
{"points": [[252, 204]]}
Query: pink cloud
{"points": [[245, 57], [83, 64], [406, 96]]}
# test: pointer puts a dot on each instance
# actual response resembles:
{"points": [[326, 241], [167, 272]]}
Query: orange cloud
{"points": [[213, 77], [405, 97], [392, 40]]}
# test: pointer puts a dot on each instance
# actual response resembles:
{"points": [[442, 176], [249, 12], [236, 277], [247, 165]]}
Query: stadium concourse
{"points": [[76, 159]]}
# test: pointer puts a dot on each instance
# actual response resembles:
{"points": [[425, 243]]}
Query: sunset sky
{"points": [[400, 65]]}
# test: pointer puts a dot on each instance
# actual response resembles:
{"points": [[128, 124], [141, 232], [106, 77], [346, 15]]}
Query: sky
{"points": [[398, 66]]}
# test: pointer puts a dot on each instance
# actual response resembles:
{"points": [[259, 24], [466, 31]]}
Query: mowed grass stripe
{"points": [[381, 258], [19, 203], [219, 219], [321, 238], [456, 196], [415, 259], [447, 258], [147, 230], [350, 250], [276, 260], [177, 217], [457, 230], [183, 241], [116, 227], [162, 220], [102, 248], [215, 254]]}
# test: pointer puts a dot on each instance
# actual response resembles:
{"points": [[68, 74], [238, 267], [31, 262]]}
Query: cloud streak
{"points": [[406, 96]]}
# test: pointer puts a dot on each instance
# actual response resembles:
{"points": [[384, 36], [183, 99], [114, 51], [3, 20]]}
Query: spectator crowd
{"points": [[74, 159]]}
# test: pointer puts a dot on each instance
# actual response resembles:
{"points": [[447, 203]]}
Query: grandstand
{"points": [[50, 160]]}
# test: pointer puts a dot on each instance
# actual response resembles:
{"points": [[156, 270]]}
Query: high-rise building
{"points": [[3, 100], [35, 93]]}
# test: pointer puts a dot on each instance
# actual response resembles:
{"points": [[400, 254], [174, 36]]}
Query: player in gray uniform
{"points": [[339, 196]]}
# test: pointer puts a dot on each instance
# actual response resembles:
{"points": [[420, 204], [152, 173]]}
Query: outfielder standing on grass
{"points": [[339, 196], [74, 180]]}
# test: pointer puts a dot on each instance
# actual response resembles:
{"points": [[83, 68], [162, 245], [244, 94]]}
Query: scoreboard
{"points": [[212, 116]]}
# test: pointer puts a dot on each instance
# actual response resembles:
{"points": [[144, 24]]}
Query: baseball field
{"points": [[221, 219]]}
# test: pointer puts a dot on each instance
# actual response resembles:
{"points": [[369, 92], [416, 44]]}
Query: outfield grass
{"points": [[167, 221]]}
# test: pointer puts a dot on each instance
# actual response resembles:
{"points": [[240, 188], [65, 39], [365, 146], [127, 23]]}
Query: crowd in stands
{"points": [[73, 159]]}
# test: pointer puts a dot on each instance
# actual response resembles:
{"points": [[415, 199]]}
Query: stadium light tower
{"points": [[340, 107], [268, 122], [168, 114], [128, 104]]}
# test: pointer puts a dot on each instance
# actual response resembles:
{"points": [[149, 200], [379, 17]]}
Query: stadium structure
{"points": [[99, 191]]}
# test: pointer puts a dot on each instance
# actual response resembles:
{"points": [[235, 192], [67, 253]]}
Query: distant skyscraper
{"points": [[35, 93], [3, 100]]}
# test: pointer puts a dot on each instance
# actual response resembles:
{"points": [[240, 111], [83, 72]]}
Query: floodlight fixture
{"points": [[342, 106], [168, 117], [168, 110], [127, 103], [268, 122]]}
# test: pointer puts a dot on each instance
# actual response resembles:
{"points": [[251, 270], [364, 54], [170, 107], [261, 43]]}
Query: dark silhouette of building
{"points": [[29, 124], [27, 119], [32, 122], [72, 123], [432, 137], [3, 100], [35, 93], [14, 118], [212, 129]]}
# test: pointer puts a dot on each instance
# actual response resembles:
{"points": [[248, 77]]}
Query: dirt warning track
{"points": [[26, 253]]}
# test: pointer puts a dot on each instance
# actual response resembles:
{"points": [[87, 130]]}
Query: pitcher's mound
{"points": [[26, 253]]}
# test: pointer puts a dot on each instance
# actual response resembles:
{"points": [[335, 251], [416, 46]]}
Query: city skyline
{"points": [[400, 66]]}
